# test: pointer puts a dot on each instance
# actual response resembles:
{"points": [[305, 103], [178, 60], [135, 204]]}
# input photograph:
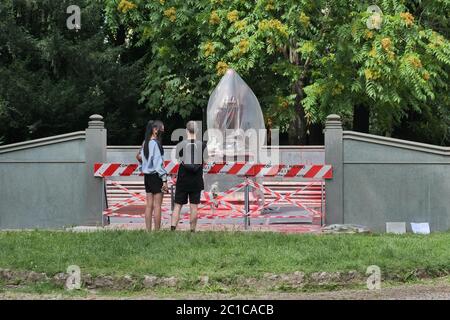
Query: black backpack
{"points": [[192, 167]]}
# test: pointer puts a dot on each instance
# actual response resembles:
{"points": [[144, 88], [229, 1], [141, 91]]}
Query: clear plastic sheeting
{"points": [[232, 109]]}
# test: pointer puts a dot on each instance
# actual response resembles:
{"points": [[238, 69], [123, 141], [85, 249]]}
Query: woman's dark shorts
{"points": [[153, 183], [181, 196]]}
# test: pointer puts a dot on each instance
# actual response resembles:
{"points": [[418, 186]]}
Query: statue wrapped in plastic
{"points": [[234, 118], [232, 110]]}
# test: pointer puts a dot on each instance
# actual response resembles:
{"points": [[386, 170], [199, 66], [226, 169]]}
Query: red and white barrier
{"points": [[248, 169], [135, 197], [316, 172], [280, 197]]}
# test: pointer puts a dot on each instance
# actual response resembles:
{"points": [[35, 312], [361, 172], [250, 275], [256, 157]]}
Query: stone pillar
{"points": [[95, 153], [334, 156]]}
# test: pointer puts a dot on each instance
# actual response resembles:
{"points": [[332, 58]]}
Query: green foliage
{"points": [[401, 68], [300, 57], [173, 81], [52, 79], [139, 59]]}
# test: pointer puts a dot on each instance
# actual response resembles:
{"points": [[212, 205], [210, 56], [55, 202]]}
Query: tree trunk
{"points": [[361, 116], [121, 35], [315, 136], [297, 128], [294, 132]]}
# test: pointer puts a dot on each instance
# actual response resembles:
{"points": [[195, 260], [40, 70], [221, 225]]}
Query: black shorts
{"points": [[153, 183], [181, 196]]}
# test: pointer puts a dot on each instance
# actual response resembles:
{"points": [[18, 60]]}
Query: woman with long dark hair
{"points": [[155, 176]]}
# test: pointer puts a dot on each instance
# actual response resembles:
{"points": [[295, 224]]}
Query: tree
{"points": [[304, 59], [138, 59], [52, 78], [174, 81], [386, 73], [192, 43]]}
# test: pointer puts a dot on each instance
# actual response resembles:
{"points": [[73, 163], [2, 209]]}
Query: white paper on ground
{"points": [[396, 227], [421, 228]]}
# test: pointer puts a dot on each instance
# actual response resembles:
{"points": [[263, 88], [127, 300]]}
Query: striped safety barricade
{"points": [[315, 174]]}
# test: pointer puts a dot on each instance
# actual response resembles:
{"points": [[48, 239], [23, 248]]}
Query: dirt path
{"points": [[411, 292], [436, 290]]}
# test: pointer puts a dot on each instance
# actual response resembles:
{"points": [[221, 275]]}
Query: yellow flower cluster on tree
{"points": [[214, 18], [269, 5], [436, 40], [171, 13], [283, 102], [320, 89], [125, 6], [273, 24], [426, 76], [386, 43], [414, 61], [307, 47], [408, 18], [338, 89], [368, 35], [371, 74], [241, 24], [328, 58], [162, 2], [373, 52], [221, 68], [233, 16], [304, 19], [208, 49], [163, 51], [243, 46]]}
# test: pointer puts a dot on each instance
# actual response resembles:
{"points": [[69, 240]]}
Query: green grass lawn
{"points": [[219, 254]]}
